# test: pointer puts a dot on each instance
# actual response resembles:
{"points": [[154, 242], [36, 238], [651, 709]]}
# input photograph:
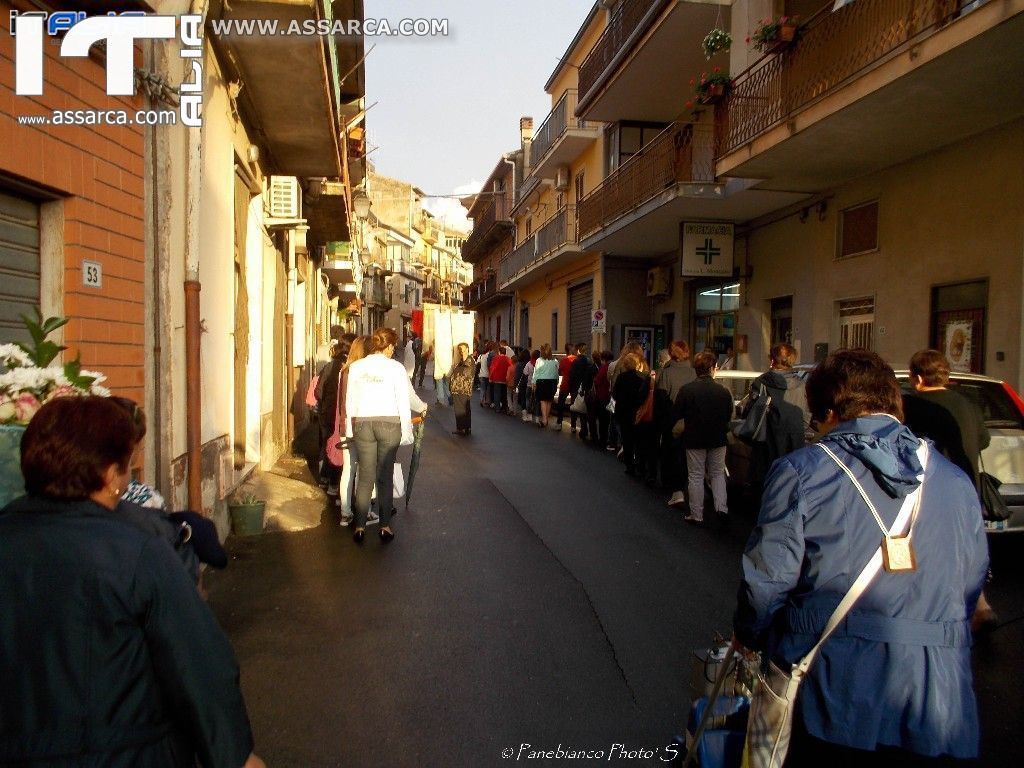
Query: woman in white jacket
{"points": [[378, 418]]}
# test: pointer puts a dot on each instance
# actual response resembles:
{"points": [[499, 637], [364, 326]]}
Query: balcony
{"points": [[546, 250], [561, 137], [489, 227], [339, 264], [873, 84], [648, 53], [636, 210], [483, 293]]}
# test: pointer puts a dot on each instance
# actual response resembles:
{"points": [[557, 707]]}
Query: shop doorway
{"points": [[958, 324]]}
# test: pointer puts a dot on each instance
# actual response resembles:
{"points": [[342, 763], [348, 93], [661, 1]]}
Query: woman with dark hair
{"points": [[378, 419], [327, 400], [895, 677], [108, 656], [675, 374], [602, 397], [545, 381], [705, 408], [461, 376], [521, 385]]}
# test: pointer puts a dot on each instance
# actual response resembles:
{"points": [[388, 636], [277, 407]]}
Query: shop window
{"points": [[724, 297], [858, 230], [856, 323]]}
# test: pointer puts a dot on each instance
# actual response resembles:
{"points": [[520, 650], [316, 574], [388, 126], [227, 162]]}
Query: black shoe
{"points": [[357, 535], [386, 535], [459, 432]]}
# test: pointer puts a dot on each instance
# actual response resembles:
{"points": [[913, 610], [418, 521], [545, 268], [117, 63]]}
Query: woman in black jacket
{"points": [[706, 409], [631, 388], [108, 656]]}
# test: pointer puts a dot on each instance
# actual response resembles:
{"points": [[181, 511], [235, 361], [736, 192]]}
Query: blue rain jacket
{"points": [[897, 672]]}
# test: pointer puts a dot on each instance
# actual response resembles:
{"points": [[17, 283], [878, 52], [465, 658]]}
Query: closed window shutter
{"points": [[581, 302], [19, 265], [859, 230]]}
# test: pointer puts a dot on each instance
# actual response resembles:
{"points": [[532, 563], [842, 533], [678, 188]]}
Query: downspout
{"points": [[193, 359]]}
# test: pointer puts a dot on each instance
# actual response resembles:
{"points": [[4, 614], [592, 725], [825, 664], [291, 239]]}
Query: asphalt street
{"points": [[535, 598]]}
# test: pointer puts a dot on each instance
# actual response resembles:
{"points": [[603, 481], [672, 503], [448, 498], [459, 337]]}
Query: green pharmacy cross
{"points": [[709, 251]]}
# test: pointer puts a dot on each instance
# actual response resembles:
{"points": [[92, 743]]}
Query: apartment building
{"points": [[556, 283], [492, 239], [857, 185]]}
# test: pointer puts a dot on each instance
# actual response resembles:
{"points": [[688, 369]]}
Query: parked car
{"points": [[1001, 406]]}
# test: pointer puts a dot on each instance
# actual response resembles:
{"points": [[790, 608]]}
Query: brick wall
{"points": [[99, 172]]}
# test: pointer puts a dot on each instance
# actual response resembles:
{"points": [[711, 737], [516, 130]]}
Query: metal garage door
{"points": [[19, 265], [581, 302]]}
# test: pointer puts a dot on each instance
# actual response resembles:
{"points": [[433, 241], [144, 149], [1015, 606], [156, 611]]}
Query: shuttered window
{"points": [[581, 302], [856, 323], [19, 265], [858, 230]]}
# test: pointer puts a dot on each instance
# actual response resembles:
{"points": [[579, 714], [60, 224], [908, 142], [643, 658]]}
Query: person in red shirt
{"points": [[563, 382], [499, 374]]}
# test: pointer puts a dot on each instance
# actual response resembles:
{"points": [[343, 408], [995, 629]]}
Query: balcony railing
{"points": [[558, 121], [556, 232], [496, 213], [481, 291], [620, 30], [683, 152], [832, 48]]}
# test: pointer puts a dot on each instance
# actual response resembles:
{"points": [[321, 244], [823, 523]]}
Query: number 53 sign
{"points": [[92, 274]]}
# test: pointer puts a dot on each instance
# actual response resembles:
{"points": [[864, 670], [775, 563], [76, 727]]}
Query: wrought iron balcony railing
{"points": [[559, 120], [832, 48], [493, 218], [621, 28], [683, 152]]}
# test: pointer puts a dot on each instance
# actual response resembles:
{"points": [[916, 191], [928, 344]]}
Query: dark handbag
{"points": [[645, 414], [754, 426], [993, 505]]}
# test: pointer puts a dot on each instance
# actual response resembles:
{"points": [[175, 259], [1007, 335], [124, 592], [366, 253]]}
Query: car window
{"points": [[999, 410]]}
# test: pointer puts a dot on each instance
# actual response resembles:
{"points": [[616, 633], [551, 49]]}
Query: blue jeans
{"points": [[376, 445], [444, 395]]}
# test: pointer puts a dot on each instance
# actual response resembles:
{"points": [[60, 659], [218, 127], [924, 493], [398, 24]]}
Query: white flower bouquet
{"points": [[29, 376]]}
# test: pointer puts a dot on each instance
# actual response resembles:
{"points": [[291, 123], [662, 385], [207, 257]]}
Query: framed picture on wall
{"points": [[643, 335]]}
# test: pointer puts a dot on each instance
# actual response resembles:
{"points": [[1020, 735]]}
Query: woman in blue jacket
{"points": [[895, 678], [108, 656]]}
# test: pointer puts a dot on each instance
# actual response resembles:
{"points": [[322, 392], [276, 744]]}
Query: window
{"points": [[858, 230], [719, 298], [554, 331], [856, 323], [578, 185]]}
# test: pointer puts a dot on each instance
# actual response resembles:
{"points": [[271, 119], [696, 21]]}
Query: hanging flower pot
{"points": [[713, 94], [710, 89], [716, 40]]}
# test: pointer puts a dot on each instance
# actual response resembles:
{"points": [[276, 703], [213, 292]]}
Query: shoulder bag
{"points": [[993, 505], [579, 403], [771, 707], [754, 426]]}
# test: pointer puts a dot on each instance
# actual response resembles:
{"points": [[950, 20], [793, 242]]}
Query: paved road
{"points": [[533, 595]]}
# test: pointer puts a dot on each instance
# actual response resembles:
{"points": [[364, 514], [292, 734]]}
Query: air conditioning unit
{"points": [[659, 282], [562, 178], [284, 198]]}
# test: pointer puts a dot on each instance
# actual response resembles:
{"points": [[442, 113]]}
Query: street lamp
{"points": [[361, 204]]}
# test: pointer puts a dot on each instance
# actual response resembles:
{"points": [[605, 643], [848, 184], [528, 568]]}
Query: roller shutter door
{"points": [[19, 265], [581, 302]]}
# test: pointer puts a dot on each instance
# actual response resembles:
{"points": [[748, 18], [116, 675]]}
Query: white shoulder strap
{"points": [[874, 565]]}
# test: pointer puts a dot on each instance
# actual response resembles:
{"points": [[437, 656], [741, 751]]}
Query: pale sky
{"points": [[448, 107]]}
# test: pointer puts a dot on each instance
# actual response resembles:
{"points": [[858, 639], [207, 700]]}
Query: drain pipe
{"points": [[193, 329]]}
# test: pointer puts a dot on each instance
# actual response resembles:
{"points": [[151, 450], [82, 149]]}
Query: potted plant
{"points": [[771, 35], [29, 377], [711, 88], [247, 513], [716, 40]]}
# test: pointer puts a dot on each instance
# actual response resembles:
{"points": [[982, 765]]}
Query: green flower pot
{"points": [[247, 519], [12, 484]]}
